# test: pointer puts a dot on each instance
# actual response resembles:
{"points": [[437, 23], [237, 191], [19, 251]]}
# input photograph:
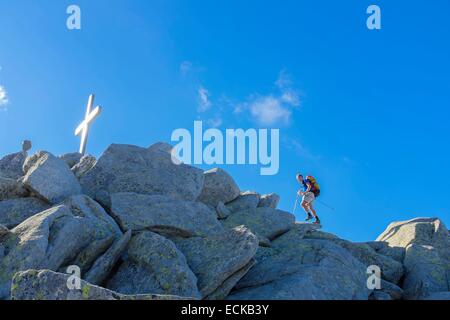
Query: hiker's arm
{"points": [[308, 189]]}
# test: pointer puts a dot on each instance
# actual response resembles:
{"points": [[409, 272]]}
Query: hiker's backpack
{"points": [[315, 188]]}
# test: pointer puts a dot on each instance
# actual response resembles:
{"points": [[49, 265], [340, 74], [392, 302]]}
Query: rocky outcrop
{"points": [[266, 223], [222, 211], [426, 242], [143, 227], [71, 159], [247, 200], [49, 177], [125, 168], [392, 269], [15, 211], [11, 165], [218, 186], [215, 260], [11, 189], [154, 265], [103, 266], [269, 201], [4, 231], [49, 285], [163, 214], [51, 240], [85, 164], [310, 269]]}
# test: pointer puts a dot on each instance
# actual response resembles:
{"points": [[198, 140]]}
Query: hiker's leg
{"points": [[312, 210], [305, 206]]}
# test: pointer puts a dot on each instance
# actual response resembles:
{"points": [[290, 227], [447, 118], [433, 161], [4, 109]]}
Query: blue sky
{"points": [[366, 112]]}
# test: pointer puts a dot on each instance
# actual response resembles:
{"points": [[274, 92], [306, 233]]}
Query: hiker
{"points": [[310, 193]]}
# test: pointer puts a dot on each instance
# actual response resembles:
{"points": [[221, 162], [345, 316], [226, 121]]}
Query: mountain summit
{"points": [[134, 225]]}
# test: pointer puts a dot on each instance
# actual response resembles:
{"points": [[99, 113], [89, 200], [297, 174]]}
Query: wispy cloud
{"points": [[214, 122], [274, 108], [269, 110], [204, 103], [284, 80], [185, 67], [300, 150], [3, 98]]}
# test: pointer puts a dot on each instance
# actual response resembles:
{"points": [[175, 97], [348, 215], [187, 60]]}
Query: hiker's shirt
{"points": [[305, 186]]}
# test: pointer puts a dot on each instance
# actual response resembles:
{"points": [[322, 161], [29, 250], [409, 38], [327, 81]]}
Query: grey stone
{"points": [[269, 201], [104, 224], [380, 296], [396, 253], [391, 270], [51, 240], [85, 164], [104, 264], [225, 288], [426, 259], [439, 296], [83, 206], [11, 165], [222, 211], [4, 231], [426, 272], [49, 285], [218, 186], [71, 159], [246, 200], [163, 214], [376, 245], [154, 265], [15, 211], [217, 258], [394, 291], [266, 223], [421, 231], [297, 232], [125, 168], [12, 189], [311, 269], [50, 178], [320, 235]]}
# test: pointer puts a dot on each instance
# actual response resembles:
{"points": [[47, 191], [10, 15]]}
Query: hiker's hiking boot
{"points": [[317, 221], [309, 217]]}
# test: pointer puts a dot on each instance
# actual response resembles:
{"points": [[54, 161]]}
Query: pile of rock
{"points": [[139, 226]]}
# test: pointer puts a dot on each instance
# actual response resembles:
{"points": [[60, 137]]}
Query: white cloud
{"points": [[3, 97], [269, 111], [290, 97], [274, 108], [204, 103]]}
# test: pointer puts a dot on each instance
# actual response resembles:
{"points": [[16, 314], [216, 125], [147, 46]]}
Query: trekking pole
{"points": [[295, 205], [326, 205]]}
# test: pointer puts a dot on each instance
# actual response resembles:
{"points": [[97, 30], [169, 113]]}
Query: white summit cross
{"points": [[83, 128]]}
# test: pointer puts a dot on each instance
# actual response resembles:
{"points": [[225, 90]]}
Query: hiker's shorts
{"points": [[309, 197]]}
